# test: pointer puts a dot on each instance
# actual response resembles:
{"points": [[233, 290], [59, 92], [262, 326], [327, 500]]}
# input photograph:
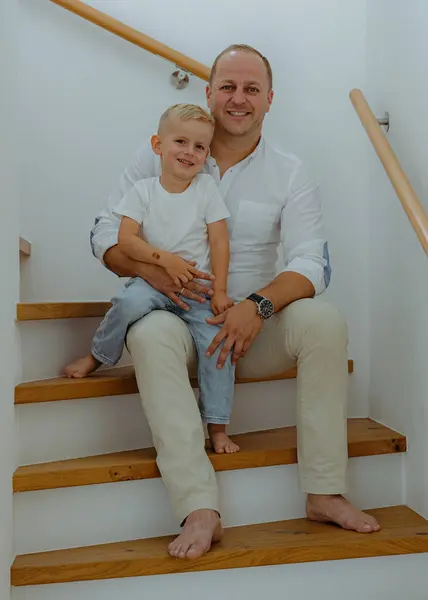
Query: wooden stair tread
{"points": [[258, 449], [281, 542], [36, 311], [108, 382]]}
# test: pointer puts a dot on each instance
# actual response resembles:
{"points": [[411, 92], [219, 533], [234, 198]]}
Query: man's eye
{"points": [[227, 88], [253, 90], [179, 141]]}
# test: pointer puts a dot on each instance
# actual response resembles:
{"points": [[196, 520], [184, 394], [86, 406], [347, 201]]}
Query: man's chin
{"points": [[237, 131]]}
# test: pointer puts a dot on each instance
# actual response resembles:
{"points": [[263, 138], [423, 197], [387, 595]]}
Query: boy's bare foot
{"points": [[201, 529], [221, 443], [82, 367], [336, 509]]}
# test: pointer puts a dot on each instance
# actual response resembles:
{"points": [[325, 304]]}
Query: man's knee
{"points": [[158, 331], [320, 320]]}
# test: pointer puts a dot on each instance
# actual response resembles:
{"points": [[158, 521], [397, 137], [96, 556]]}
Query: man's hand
{"points": [[241, 325], [161, 281], [220, 302]]}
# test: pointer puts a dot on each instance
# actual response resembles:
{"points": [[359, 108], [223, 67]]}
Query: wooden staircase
{"points": [[283, 542], [258, 449], [274, 543]]}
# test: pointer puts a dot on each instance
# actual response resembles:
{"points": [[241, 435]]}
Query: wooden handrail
{"points": [[135, 37], [406, 194]]}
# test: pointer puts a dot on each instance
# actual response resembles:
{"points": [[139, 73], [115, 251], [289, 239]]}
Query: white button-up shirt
{"points": [[274, 207]]}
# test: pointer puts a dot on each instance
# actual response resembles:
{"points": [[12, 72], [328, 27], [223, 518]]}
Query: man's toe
{"points": [[174, 548], [196, 550], [368, 526]]}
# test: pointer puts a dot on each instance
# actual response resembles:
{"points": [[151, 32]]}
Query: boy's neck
{"points": [[229, 150], [172, 184]]}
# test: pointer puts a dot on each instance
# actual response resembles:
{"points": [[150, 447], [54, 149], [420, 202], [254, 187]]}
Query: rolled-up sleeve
{"points": [[304, 244], [105, 232]]}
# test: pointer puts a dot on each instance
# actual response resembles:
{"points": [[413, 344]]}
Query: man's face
{"points": [[239, 96], [183, 147]]}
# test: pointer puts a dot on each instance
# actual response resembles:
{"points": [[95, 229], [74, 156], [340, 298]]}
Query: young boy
{"points": [[175, 221]]}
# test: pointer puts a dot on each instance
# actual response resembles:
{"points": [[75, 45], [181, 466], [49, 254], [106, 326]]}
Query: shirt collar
{"points": [[211, 161]]}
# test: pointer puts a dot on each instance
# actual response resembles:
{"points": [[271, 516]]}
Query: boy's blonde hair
{"points": [[186, 112]]}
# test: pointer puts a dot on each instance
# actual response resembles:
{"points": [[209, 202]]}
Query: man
{"points": [[272, 202]]}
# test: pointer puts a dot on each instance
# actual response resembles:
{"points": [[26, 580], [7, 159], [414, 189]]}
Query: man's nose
{"points": [[239, 96]]}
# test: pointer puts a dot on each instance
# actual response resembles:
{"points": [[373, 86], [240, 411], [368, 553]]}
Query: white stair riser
{"points": [[70, 429], [81, 516], [48, 345], [75, 428], [391, 578]]}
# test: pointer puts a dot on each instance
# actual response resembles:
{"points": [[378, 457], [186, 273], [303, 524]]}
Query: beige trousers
{"points": [[309, 333]]}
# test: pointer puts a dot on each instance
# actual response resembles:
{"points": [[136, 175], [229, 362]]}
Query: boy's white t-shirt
{"points": [[176, 222]]}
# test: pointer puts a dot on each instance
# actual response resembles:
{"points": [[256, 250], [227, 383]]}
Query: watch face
{"points": [[266, 308]]}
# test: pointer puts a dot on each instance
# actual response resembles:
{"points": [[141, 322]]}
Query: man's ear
{"points": [[156, 144], [208, 94], [270, 99]]}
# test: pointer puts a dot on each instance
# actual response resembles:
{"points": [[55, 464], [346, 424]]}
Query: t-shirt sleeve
{"points": [[135, 203], [215, 208]]}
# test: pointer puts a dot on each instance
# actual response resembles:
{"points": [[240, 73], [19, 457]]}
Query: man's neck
{"points": [[229, 151]]}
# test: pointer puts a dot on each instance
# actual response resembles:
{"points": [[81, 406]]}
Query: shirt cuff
{"points": [[318, 275]]}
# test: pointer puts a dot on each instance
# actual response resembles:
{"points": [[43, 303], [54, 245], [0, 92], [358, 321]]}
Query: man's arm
{"points": [[104, 235], [306, 272], [286, 288], [123, 266], [305, 251]]}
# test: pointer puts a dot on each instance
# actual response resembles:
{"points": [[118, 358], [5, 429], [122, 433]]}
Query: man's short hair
{"points": [[244, 48], [186, 112]]}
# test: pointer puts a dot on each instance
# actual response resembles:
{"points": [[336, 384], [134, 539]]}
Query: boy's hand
{"points": [[220, 302], [178, 269]]}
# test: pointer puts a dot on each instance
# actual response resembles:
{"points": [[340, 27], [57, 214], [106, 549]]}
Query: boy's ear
{"points": [[156, 144]]}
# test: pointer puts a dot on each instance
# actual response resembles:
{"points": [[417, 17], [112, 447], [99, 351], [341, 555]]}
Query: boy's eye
{"points": [[200, 147]]}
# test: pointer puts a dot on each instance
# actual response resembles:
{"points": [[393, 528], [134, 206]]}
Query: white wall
{"points": [[397, 59], [89, 98], [9, 233]]}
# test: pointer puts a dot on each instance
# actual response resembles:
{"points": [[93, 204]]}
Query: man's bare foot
{"points": [[221, 443], [82, 367], [201, 529], [336, 509]]}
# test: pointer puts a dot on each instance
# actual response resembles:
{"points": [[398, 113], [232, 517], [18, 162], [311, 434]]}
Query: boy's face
{"points": [[183, 147]]}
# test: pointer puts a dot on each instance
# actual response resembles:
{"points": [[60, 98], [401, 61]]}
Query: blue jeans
{"points": [[136, 300]]}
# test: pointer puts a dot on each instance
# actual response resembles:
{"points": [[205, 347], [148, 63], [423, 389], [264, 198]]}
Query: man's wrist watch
{"points": [[265, 308]]}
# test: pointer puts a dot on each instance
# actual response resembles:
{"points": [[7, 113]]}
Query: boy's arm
{"points": [[219, 248], [134, 247]]}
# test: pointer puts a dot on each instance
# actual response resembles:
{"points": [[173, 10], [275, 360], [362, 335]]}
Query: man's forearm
{"points": [[124, 266], [287, 288]]}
